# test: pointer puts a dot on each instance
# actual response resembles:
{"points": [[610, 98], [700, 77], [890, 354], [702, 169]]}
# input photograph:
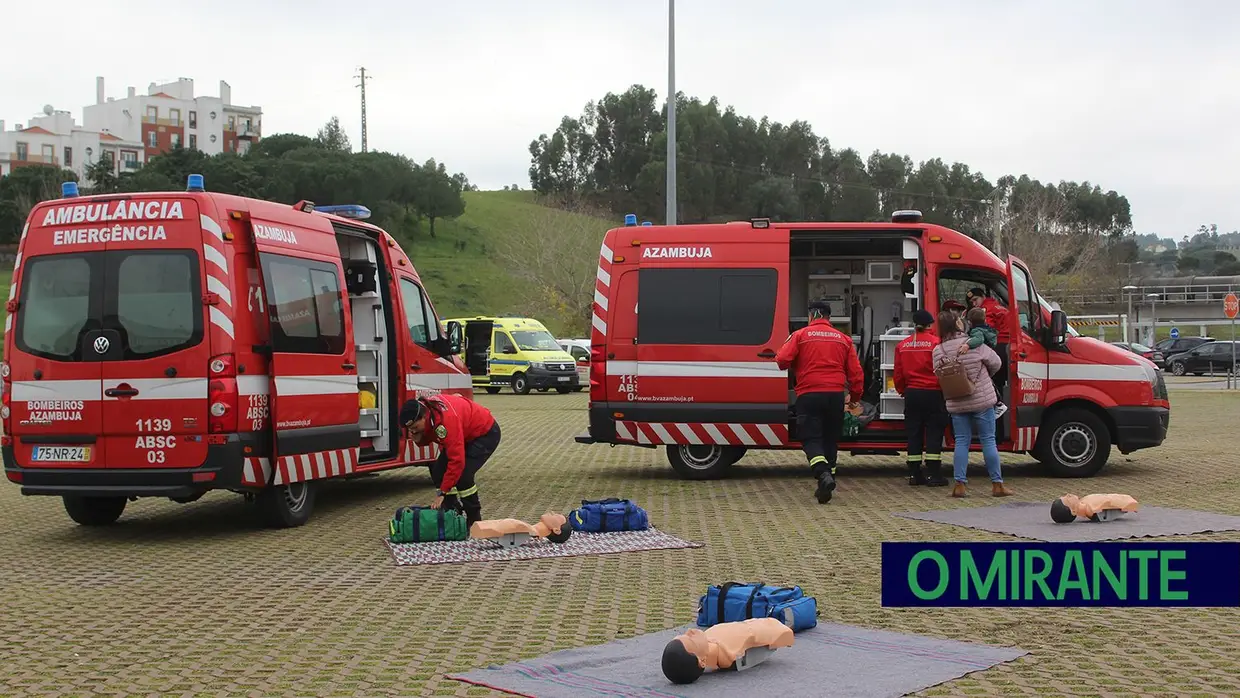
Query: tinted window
{"points": [[305, 306], [706, 306], [502, 343], [157, 301], [415, 312], [535, 340], [578, 353], [55, 305]]}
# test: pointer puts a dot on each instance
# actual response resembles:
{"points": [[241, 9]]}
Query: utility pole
{"points": [[996, 201], [363, 77], [671, 112]]}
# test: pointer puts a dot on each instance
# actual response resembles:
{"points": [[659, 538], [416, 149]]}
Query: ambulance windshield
{"points": [[536, 340]]}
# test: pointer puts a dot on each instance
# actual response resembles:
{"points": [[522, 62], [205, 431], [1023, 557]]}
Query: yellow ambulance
{"points": [[515, 352]]}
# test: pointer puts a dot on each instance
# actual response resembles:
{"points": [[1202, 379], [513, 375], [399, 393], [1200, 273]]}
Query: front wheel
{"points": [[707, 462], [287, 506], [1177, 368], [94, 511], [520, 385], [1073, 443]]}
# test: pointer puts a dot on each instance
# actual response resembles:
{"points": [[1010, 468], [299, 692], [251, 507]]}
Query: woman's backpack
{"points": [[954, 379]]}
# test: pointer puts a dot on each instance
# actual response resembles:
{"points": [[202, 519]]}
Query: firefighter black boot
{"points": [[915, 475], [473, 509], [825, 474], [934, 463]]}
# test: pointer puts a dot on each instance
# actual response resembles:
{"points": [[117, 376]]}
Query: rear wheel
{"points": [[706, 462], [287, 506], [520, 385], [94, 511], [1177, 368], [1073, 443]]}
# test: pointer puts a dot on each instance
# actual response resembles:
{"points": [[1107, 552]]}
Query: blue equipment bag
{"points": [[608, 515], [735, 601]]}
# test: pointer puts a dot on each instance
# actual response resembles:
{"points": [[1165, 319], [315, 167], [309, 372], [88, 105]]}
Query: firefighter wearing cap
{"points": [[827, 372], [466, 433], [925, 412], [996, 317]]}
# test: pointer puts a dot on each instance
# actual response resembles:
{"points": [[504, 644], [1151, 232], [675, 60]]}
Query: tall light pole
{"points": [[1128, 326], [671, 112], [1153, 318]]}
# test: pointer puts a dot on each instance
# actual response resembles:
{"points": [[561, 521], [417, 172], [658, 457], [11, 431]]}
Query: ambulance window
{"points": [[305, 308], [415, 312], [706, 306], [1024, 301], [157, 304], [503, 343], [55, 305]]}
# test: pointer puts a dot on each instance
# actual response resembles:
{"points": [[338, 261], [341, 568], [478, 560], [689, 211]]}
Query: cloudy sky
{"points": [[1134, 95]]}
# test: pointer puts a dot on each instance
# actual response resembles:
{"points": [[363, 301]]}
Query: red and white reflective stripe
{"points": [[315, 466], [697, 369], [703, 434], [1026, 437], [216, 268], [418, 454], [256, 472], [602, 285]]}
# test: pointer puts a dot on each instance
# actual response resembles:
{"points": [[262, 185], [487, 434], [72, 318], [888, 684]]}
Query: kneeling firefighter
{"points": [[466, 433], [827, 372]]}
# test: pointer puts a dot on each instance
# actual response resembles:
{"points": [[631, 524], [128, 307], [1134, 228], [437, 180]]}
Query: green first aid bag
{"points": [[424, 525]]}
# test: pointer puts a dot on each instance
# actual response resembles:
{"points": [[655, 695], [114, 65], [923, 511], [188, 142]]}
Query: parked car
{"points": [[579, 349], [1209, 357], [1142, 351], [1179, 345]]}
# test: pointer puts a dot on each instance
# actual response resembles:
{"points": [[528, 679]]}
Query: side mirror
{"points": [[1058, 328], [454, 338]]}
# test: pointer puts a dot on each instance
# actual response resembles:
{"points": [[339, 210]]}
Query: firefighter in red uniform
{"points": [[996, 317], [925, 412], [467, 435], [827, 372]]}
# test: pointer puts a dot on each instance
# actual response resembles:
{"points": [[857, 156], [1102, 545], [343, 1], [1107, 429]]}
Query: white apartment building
{"points": [[169, 115], [56, 139]]}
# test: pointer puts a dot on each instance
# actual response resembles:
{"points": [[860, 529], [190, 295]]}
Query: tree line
{"points": [[400, 193], [731, 166]]}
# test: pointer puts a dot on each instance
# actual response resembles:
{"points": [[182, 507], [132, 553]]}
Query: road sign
{"points": [[1231, 306], [1175, 333]]}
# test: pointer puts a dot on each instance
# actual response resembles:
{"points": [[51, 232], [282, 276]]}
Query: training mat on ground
{"points": [[478, 550], [829, 660], [1033, 521]]}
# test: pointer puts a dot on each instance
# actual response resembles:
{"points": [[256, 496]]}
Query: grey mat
{"points": [[829, 660], [1033, 520]]}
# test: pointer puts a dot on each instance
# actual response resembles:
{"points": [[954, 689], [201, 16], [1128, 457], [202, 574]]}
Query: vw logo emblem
{"points": [[101, 345]]}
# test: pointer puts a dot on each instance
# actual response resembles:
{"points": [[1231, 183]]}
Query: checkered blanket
{"points": [[481, 550]]}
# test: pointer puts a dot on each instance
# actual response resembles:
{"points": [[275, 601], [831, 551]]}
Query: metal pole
{"points": [[1127, 330], [671, 112], [1231, 379], [995, 202]]}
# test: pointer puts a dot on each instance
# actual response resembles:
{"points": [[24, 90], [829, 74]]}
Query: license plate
{"points": [[64, 454], [563, 379]]}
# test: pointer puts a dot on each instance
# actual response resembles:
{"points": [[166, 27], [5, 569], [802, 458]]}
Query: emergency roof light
{"points": [[194, 183], [760, 223], [909, 216], [630, 219], [647, 223], [68, 190], [354, 211]]}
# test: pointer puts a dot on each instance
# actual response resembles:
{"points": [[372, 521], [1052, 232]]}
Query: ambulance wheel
{"points": [[287, 506], [492, 391], [1073, 443], [94, 511], [706, 462], [520, 385]]}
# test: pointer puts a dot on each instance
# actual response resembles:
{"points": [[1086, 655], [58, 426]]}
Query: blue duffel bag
{"points": [[608, 515], [735, 601]]}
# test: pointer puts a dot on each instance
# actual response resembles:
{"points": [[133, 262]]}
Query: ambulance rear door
{"points": [[711, 315], [153, 345], [314, 386]]}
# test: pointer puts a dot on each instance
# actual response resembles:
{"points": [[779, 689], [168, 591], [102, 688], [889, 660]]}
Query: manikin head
{"points": [[1061, 512], [681, 666]]}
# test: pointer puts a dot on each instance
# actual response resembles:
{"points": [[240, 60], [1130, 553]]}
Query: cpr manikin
{"points": [[741, 644], [512, 532], [1094, 507]]}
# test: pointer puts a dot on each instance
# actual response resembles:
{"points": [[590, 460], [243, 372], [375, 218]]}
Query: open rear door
{"points": [[1029, 362], [314, 381]]}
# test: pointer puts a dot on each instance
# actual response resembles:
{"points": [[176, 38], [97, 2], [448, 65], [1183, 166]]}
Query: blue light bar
{"points": [[354, 211], [195, 183], [630, 219], [68, 190], [646, 223]]}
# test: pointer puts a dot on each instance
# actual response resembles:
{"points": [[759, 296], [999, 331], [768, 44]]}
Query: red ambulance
{"points": [[169, 344], [687, 320]]}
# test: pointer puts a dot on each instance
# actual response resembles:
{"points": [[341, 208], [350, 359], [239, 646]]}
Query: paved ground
{"points": [[1201, 383], [192, 600]]}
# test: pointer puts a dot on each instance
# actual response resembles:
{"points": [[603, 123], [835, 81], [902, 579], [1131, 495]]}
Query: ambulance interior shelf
{"points": [[370, 328]]}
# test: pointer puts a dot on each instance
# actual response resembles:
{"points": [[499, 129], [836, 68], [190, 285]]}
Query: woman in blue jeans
{"points": [[975, 413]]}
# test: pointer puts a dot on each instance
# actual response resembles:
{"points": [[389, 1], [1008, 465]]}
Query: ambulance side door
{"points": [[314, 389], [428, 366], [1028, 357]]}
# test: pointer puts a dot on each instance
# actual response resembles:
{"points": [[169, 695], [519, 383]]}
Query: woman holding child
{"points": [[974, 413]]}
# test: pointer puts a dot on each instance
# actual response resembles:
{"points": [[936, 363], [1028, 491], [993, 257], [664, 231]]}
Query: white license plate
{"points": [[63, 454], [563, 379]]}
